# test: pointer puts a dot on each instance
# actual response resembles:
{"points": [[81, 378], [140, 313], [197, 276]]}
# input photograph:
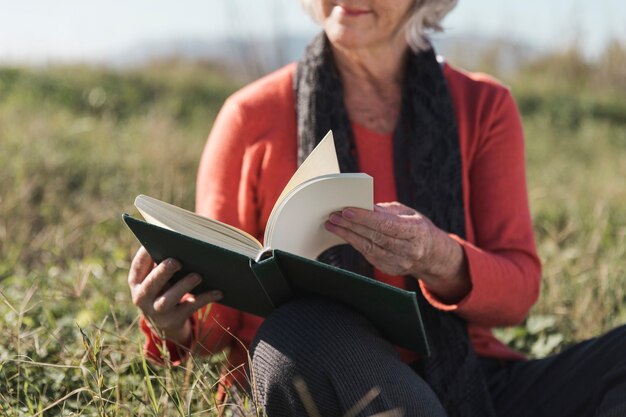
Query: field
{"points": [[78, 143]]}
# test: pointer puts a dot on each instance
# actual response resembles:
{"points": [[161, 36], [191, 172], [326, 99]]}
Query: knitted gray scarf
{"points": [[427, 165]]}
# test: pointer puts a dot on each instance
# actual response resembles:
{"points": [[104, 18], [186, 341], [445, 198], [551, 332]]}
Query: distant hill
{"points": [[250, 58]]}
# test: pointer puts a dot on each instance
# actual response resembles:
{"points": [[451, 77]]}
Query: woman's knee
{"points": [[298, 342], [339, 356], [314, 326]]}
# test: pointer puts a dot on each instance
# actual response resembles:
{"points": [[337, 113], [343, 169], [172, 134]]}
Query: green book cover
{"points": [[261, 287]]}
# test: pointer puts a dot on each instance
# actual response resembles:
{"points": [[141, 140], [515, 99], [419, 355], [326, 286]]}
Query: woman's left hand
{"points": [[398, 240]]}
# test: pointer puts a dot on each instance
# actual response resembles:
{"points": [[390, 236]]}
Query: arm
{"points": [[493, 285], [503, 265], [209, 329]]}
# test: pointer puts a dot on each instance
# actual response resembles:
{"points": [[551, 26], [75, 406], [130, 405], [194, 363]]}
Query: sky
{"points": [[44, 30]]}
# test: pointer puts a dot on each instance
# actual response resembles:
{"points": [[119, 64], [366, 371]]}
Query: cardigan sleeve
{"points": [[503, 264], [225, 191], [219, 196]]}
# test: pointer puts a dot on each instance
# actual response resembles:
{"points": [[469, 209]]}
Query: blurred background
{"points": [[264, 34], [101, 101]]}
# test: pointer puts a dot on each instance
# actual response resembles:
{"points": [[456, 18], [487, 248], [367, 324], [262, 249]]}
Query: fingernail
{"points": [[330, 227], [195, 279], [172, 264], [348, 213], [335, 218], [217, 295]]}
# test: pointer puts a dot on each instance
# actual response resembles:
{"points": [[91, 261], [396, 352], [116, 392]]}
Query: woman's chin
{"points": [[346, 38]]}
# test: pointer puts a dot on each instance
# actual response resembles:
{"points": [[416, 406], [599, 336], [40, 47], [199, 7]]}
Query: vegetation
{"points": [[78, 143]]}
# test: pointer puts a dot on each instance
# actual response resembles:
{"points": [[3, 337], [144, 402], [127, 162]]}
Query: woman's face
{"points": [[355, 24]]}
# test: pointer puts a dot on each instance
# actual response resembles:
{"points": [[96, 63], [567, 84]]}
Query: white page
{"points": [[183, 221], [321, 161], [298, 226]]}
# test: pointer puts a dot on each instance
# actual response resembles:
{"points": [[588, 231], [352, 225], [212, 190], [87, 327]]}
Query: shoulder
{"points": [[461, 81], [477, 94], [273, 92], [259, 120], [263, 111], [478, 98]]}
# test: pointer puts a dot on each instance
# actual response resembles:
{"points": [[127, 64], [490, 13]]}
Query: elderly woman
{"points": [[445, 148]]}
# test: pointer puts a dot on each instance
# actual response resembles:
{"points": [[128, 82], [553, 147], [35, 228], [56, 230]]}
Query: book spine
{"points": [[272, 280]]}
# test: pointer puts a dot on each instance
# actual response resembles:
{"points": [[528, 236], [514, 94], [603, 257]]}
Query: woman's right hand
{"points": [[166, 308]]}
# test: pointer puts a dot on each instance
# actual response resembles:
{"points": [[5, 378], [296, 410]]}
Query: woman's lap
{"points": [[340, 358], [587, 379]]}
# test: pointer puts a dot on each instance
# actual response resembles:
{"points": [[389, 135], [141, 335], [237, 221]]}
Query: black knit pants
{"points": [[585, 380], [317, 348], [340, 358]]}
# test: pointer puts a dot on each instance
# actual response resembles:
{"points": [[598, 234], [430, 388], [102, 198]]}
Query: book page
{"points": [[321, 161], [298, 223], [183, 221]]}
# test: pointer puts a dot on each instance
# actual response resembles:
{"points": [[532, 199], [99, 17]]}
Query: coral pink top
{"points": [[251, 154]]}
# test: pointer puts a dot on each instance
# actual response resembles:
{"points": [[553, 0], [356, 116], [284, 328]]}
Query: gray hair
{"points": [[427, 16]]}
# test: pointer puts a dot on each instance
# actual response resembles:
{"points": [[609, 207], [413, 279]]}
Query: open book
{"points": [[258, 279], [296, 223]]}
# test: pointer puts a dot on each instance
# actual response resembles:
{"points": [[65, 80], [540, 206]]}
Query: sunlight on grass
{"points": [[77, 144]]}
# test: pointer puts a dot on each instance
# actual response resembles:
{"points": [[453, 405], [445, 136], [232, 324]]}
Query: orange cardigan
{"points": [[251, 154]]}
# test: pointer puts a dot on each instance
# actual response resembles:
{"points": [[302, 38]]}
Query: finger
{"points": [[193, 303], [381, 258], [391, 244], [389, 224], [140, 266], [145, 292], [173, 295], [360, 243]]}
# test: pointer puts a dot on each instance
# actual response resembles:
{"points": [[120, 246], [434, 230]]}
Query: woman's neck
{"points": [[382, 66], [372, 84]]}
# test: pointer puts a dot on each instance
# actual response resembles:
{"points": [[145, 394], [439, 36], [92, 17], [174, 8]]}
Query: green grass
{"points": [[77, 144], [69, 171]]}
